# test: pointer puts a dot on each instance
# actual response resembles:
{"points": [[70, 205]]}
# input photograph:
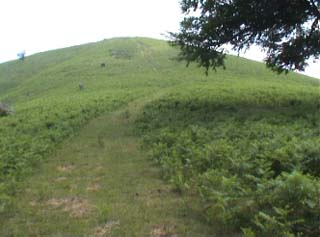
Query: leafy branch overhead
{"points": [[287, 30]]}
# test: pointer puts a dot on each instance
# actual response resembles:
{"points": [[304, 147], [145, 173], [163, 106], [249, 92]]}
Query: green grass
{"points": [[49, 108], [110, 180]]}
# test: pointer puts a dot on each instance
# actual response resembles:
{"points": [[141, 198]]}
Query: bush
{"points": [[253, 167], [4, 110]]}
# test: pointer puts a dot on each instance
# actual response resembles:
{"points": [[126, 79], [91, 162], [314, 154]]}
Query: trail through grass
{"points": [[224, 140], [101, 184]]}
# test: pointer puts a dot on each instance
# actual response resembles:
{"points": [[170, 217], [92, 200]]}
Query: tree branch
{"points": [[315, 9], [313, 27]]}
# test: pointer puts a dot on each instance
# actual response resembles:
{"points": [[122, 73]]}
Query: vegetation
{"points": [[287, 30], [241, 145], [32, 133], [250, 153], [21, 55], [100, 183], [49, 106]]}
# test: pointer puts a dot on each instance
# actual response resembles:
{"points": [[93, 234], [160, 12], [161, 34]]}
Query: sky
{"points": [[41, 25]]}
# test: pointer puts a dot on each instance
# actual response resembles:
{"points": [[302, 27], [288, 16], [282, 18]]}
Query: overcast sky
{"points": [[41, 25]]}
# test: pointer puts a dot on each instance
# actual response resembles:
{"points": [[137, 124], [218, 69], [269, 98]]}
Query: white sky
{"points": [[41, 25]]}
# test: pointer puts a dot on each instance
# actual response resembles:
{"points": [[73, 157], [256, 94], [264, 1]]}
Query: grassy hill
{"points": [[226, 139]]}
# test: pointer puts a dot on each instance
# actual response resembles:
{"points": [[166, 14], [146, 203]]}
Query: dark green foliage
{"points": [[251, 154], [287, 30]]}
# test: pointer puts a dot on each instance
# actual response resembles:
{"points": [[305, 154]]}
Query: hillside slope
{"points": [[141, 60], [215, 138]]}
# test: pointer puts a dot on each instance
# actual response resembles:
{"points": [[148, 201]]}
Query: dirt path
{"points": [[100, 183]]}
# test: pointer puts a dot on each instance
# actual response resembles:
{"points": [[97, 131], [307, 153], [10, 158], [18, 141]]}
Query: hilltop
{"points": [[60, 71], [221, 142]]}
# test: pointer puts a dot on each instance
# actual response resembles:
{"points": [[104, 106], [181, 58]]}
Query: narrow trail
{"points": [[100, 183]]}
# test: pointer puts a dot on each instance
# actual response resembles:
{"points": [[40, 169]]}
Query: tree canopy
{"points": [[287, 30], [21, 55]]}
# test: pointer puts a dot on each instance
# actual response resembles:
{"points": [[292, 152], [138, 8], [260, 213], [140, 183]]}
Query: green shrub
{"points": [[252, 158]]}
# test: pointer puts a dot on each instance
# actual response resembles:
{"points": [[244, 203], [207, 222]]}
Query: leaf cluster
{"points": [[250, 155], [287, 30]]}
